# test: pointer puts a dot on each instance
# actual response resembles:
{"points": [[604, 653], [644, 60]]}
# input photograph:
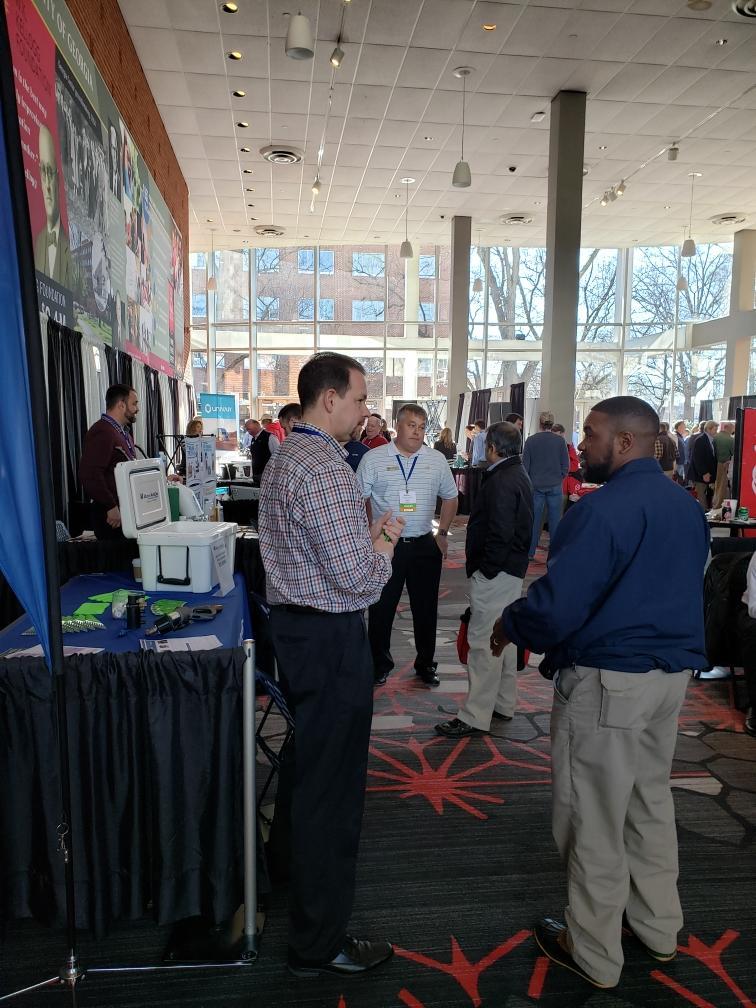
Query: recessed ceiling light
{"points": [[237, 230], [229, 8], [245, 150], [603, 147], [248, 171], [428, 138], [488, 27], [250, 204], [234, 54], [408, 180], [538, 117], [249, 189], [721, 41], [699, 5], [538, 203], [209, 220], [667, 206], [238, 93], [242, 124]]}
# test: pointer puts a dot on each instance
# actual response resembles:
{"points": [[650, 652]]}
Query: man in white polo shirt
{"points": [[406, 477]]}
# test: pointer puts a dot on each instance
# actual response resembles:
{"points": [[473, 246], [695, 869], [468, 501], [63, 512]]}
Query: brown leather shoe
{"points": [[551, 938]]}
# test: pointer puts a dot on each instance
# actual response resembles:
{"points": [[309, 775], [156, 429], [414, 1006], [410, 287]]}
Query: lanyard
{"points": [[407, 477], [122, 432], [312, 432]]}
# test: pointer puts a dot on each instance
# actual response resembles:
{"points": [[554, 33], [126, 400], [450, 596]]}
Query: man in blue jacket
{"points": [[620, 648]]}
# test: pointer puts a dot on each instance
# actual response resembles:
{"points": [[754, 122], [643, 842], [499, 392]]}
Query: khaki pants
{"points": [[492, 681], [702, 492], [721, 485], [613, 738]]}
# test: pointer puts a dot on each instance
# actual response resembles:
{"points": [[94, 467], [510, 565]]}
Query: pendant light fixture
{"points": [[461, 177], [299, 44], [682, 283], [689, 246], [478, 281], [212, 283], [406, 251]]}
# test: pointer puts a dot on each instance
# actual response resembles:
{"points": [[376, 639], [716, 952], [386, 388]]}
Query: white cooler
{"points": [[175, 556]]}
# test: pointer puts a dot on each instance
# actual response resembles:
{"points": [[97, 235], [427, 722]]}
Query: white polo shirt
{"points": [[426, 474]]}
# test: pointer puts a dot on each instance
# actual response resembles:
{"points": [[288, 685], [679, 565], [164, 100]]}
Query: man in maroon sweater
{"points": [[107, 443]]}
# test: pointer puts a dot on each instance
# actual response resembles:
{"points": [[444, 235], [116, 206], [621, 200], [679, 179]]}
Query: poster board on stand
{"points": [[200, 469], [744, 462]]}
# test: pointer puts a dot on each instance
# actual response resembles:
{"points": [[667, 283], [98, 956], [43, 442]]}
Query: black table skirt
{"points": [[156, 771]]}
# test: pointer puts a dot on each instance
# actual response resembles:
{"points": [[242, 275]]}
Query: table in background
{"points": [[156, 770], [737, 528], [468, 480]]}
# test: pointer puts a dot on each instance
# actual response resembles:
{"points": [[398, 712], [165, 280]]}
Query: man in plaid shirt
{"points": [[324, 566]]}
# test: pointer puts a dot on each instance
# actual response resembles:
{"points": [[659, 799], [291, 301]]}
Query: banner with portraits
{"points": [[108, 254]]}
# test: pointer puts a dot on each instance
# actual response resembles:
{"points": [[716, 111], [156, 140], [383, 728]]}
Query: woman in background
{"points": [[193, 429], [446, 445]]}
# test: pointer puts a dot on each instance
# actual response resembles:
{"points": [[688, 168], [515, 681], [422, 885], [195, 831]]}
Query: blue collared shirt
{"points": [[478, 448], [620, 592]]}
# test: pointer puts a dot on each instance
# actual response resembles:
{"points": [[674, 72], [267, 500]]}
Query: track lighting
{"points": [[688, 249], [337, 55], [673, 152], [620, 190], [316, 186], [605, 199], [612, 194], [406, 251]]}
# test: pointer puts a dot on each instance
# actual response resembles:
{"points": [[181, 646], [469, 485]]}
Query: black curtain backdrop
{"points": [[517, 398], [153, 414], [479, 405], [158, 820], [65, 384], [68, 411]]}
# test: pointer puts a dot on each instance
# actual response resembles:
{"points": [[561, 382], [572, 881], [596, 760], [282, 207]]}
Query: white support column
{"points": [[459, 311], [738, 360], [563, 222]]}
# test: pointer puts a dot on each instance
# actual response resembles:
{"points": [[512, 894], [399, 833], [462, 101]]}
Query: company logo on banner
{"points": [[108, 255], [220, 416]]}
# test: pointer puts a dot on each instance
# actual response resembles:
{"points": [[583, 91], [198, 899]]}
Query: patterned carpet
{"points": [[457, 862]]}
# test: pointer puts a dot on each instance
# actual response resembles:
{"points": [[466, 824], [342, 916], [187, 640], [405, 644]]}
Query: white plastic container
{"points": [[176, 556]]}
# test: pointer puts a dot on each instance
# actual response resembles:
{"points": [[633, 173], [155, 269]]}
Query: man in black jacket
{"points": [[498, 539], [703, 463]]}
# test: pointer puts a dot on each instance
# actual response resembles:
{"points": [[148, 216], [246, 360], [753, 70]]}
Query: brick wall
{"points": [[107, 37]]}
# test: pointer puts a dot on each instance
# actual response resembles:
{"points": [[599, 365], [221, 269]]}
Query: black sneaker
{"points": [[456, 729], [551, 938], [661, 957], [496, 716], [428, 675], [356, 956]]}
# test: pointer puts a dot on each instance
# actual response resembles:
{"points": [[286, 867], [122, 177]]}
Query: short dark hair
{"points": [[512, 417], [116, 394], [481, 424], [632, 412], [411, 408], [292, 409], [378, 417], [557, 428], [325, 371], [504, 438]]}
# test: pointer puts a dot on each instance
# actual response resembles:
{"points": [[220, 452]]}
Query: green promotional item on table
{"points": [[91, 609], [173, 503], [105, 597], [165, 605]]}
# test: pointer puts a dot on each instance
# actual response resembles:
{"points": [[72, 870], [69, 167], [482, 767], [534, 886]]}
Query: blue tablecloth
{"points": [[231, 626]]}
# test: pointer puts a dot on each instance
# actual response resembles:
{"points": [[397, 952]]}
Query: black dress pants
{"points": [[418, 564], [326, 676]]}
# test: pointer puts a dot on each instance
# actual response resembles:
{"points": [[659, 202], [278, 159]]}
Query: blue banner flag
{"points": [[22, 551]]}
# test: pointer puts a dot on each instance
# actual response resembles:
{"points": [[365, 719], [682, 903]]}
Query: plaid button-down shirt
{"points": [[314, 536]]}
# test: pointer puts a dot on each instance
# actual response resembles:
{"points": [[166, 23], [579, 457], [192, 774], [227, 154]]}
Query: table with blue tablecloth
{"points": [[156, 769]]}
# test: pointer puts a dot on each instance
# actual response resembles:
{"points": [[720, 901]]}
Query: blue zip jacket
{"points": [[624, 587]]}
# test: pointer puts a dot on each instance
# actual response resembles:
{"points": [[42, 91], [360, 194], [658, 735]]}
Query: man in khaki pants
{"points": [[620, 649], [498, 538]]}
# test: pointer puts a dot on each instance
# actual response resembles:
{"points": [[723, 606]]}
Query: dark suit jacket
{"points": [[501, 523], [703, 460], [104, 448], [64, 272]]}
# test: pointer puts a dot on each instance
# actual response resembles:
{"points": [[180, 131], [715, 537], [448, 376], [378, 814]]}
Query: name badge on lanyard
{"points": [[407, 497]]}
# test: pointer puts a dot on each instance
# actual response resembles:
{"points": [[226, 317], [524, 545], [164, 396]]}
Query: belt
{"points": [[292, 608], [409, 539]]}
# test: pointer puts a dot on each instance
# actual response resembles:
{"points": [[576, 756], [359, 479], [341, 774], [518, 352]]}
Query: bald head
{"points": [[617, 431]]}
